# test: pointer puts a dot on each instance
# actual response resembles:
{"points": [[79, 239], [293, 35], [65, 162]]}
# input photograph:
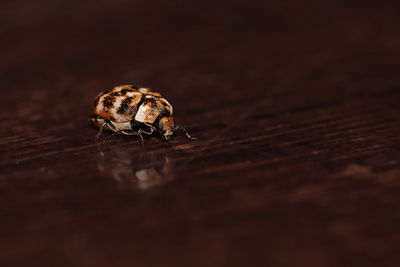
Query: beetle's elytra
{"points": [[131, 110]]}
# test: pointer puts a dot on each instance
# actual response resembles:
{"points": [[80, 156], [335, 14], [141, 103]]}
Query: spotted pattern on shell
{"points": [[130, 109]]}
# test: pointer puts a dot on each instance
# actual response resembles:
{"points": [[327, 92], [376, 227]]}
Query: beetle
{"points": [[133, 110]]}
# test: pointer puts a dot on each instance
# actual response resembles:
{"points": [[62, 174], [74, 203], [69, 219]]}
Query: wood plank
{"points": [[295, 105]]}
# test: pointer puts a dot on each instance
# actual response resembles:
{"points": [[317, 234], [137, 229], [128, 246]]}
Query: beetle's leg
{"points": [[182, 128], [109, 125], [166, 138], [146, 132], [152, 127], [138, 133], [101, 130], [105, 123], [141, 131], [114, 133]]}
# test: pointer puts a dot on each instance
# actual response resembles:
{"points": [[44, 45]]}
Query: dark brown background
{"points": [[295, 104]]}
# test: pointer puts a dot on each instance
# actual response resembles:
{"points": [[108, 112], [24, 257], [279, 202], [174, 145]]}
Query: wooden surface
{"points": [[296, 107]]}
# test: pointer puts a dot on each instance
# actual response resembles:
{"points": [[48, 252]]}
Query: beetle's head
{"points": [[166, 126]]}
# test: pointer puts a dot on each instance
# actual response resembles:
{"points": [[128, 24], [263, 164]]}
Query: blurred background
{"points": [[192, 46], [295, 104]]}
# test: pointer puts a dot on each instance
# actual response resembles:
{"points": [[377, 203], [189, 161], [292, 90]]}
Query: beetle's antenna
{"points": [[182, 128]]}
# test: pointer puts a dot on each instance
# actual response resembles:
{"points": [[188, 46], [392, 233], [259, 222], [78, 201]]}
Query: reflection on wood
{"points": [[132, 170]]}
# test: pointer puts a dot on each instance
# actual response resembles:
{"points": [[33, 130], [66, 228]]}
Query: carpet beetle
{"points": [[131, 110]]}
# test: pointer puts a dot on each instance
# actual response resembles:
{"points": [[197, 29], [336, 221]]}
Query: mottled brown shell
{"points": [[126, 106]]}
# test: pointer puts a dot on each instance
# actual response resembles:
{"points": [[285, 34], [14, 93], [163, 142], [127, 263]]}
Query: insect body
{"points": [[130, 110]]}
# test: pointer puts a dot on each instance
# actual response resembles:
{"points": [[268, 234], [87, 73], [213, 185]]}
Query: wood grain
{"points": [[295, 105]]}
